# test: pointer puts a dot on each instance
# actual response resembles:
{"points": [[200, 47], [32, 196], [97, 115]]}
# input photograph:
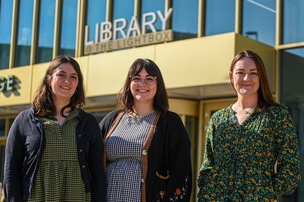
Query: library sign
{"points": [[9, 85], [121, 34]]}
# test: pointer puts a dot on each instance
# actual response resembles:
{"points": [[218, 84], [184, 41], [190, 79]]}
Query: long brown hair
{"points": [[43, 102], [160, 102], [265, 98]]}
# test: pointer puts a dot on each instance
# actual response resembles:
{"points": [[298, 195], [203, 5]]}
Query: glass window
{"points": [[2, 127], [220, 16], [24, 33], [292, 95], [292, 72], [293, 21], [100, 115], [122, 14], [6, 7], [152, 6], [259, 20], [191, 123], [185, 19], [96, 14], [2, 157], [68, 28], [46, 19]]}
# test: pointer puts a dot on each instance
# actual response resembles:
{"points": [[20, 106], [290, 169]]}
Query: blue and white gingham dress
{"points": [[124, 166]]}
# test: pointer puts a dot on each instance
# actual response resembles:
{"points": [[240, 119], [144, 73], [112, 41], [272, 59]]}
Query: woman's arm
{"points": [[179, 185], [288, 164], [14, 158]]}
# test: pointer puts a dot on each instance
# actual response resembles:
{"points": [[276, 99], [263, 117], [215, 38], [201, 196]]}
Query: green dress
{"points": [[239, 160], [58, 177]]}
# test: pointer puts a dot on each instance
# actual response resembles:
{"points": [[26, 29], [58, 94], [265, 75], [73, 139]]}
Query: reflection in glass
{"points": [[185, 19], [24, 33], [259, 19], [152, 6], [100, 115], [292, 95], [293, 21], [2, 127], [292, 72], [219, 16], [96, 14], [44, 51], [122, 10], [191, 123], [2, 157], [68, 28], [6, 7]]}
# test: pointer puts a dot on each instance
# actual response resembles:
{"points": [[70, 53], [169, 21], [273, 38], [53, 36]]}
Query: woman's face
{"points": [[244, 77], [64, 82], [143, 87]]}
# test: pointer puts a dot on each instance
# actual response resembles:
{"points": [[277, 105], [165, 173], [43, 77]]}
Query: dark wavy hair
{"points": [[160, 102], [43, 102], [265, 98]]}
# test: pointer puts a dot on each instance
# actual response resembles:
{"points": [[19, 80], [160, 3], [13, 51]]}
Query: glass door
{"points": [[207, 109]]}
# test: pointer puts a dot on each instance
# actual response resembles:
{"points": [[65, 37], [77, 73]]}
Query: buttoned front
{"points": [[239, 161], [28, 132]]}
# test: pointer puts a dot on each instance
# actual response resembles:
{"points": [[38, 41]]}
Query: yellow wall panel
{"points": [[22, 94], [108, 71], [192, 62], [195, 62], [38, 74], [84, 66], [267, 53], [185, 107]]}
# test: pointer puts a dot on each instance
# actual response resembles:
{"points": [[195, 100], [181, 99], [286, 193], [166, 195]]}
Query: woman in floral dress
{"points": [[251, 151]]}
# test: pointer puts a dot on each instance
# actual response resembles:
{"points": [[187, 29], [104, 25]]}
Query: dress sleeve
{"points": [[14, 157], [179, 186], [288, 175], [208, 159], [95, 156]]}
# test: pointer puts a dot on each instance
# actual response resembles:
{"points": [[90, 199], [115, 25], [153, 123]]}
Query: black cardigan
{"points": [[26, 143], [168, 155]]}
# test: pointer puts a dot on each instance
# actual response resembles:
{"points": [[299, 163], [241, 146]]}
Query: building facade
{"points": [[192, 41]]}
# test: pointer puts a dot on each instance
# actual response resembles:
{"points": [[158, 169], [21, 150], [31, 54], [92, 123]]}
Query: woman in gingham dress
{"points": [[147, 146]]}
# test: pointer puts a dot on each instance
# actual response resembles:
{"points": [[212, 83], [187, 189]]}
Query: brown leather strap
{"points": [[145, 157], [116, 121], [144, 151]]}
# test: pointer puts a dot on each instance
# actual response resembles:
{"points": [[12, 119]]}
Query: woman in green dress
{"points": [[251, 151], [54, 150]]}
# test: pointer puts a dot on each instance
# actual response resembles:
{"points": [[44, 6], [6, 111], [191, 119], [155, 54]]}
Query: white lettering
{"points": [[86, 36], [2, 83], [164, 18], [97, 36], [10, 81], [120, 29], [134, 27], [105, 31], [146, 23]]}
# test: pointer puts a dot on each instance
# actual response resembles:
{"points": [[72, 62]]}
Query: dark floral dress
{"points": [[255, 161]]}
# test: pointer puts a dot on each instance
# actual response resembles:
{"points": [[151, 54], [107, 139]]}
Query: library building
{"points": [[192, 41]]}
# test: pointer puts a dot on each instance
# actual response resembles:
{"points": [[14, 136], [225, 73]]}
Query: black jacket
{"points": [[169, 154], [25, 145]]}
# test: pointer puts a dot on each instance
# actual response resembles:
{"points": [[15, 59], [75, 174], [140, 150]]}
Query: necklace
{"points": [[245, 111], [134, 118], [248, 111]]}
